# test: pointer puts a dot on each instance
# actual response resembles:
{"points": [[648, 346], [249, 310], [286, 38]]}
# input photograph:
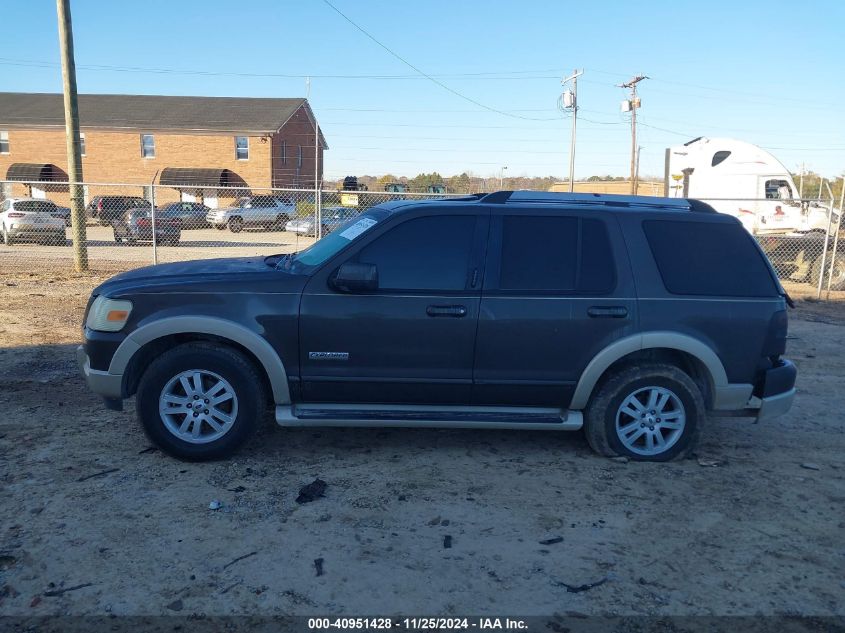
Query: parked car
{"points": [[63, 213], [630, 317], [105, 209], [135, 225], [191, 215], [332, 217], [252, 211], [30, 219]]}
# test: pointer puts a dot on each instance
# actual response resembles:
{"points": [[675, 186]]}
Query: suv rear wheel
{"points": [[651, 412], [200, 401]]}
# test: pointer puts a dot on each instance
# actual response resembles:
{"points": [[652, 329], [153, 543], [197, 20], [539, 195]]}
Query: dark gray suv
{"points": [[629, 317]]}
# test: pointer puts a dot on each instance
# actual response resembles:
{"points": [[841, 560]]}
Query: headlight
{"points": [[108, 315]]}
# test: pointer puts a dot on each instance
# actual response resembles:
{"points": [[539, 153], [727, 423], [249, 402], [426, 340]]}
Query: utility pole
{"points": [[570, 101], [318, 216], [801, 184], [74, 156], [632, 105], [637, 172], [502, 176]]}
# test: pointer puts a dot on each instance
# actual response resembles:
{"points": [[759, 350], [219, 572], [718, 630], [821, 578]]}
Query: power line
{"points": [[501, 74], [424, 74]]}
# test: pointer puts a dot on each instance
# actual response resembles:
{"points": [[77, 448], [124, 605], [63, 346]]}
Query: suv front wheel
{"points": [[651, 412], [200, 401]]}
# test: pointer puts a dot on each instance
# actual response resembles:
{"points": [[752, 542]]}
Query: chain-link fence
{"points": [[187, 224], [800, 237]]}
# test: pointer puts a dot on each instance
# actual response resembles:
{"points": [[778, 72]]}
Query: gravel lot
{"points": [[95, 521]]}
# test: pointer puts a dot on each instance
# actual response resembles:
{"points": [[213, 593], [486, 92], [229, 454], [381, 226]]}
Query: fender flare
{"points": [[725, 394], [222, 328]]}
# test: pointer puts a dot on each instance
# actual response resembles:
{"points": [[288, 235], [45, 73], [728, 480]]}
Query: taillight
{"points": [[143, 222], [100, 205], [776, 336], [17, 215]]}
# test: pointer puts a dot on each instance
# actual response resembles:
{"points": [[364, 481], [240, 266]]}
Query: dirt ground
{"points": [[95, 521]]}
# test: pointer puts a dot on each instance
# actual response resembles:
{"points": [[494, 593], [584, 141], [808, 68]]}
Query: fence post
{"points": [[824, 249], [836, 237], [153, 222]]}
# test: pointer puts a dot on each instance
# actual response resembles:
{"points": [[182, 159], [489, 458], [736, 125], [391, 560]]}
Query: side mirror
{"points": [[354, 277]]}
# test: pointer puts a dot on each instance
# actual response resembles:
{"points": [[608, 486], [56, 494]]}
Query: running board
{"points": [[426, 416]]}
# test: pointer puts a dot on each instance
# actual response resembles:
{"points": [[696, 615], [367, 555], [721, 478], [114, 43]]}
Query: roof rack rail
{"points": [[599, 199]]}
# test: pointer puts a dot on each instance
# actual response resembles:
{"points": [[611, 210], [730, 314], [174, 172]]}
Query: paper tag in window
{"points": [[359, 227]]}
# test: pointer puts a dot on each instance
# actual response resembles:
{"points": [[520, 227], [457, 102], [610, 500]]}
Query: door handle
{"points": [[607, 312], [446, 311]]}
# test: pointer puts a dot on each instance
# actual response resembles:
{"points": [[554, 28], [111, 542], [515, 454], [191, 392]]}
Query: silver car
{"points": [[268, 212], [31, 219], [332, 217]]}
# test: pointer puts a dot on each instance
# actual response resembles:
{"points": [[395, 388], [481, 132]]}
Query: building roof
{"points": [[151, 113]]}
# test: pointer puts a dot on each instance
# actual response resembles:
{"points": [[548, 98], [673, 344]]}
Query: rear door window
{"points": [[708, 258], [555, 255]]}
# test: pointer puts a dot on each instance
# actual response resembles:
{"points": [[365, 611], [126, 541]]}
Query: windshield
{"points": [[35, 206], [334, 242]]}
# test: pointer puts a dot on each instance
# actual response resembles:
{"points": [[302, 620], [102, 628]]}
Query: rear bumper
{"points": [[773, 406], [776, 390], [35, 232], [110, 386]]}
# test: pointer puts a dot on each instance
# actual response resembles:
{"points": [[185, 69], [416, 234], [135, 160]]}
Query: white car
{"points": [[268, 212], [30, 219]]}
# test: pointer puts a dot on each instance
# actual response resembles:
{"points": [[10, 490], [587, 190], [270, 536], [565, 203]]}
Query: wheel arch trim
{"points": [[222, 328], [726, 396]]}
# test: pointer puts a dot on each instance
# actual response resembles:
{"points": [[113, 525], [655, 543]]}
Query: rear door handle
{"points": [[446, 311], [607, 312]]}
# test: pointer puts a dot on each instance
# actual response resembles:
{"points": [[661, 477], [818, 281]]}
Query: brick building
{"points": [[193, 146]]}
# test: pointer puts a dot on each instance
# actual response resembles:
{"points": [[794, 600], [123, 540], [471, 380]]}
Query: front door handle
{"points": [[607, 312], [446, 311]]}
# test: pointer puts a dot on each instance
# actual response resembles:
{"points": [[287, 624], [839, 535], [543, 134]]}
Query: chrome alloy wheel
{"points": [[650, 421], [198, 406]]}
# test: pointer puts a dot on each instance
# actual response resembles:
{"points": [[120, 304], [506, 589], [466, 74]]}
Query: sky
{"points": [[770, 73]]}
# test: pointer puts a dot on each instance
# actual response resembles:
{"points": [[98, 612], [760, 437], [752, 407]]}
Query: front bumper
{"points": [[298, 228], [776, 390], [110, 386]]}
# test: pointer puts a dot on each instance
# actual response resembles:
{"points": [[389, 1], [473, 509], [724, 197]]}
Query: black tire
{"points": [[601, 412], [7, 239], [226, 363], [837, 282], [236, 224]]}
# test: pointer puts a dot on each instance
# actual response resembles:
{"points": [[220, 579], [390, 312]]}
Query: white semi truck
{"points": [[746, 181]]}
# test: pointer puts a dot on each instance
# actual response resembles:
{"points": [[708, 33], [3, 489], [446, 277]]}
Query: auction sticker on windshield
{"points": [[359, 227]]}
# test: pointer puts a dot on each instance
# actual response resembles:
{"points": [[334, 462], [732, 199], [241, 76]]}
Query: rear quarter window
{"points": [[708, 258]]}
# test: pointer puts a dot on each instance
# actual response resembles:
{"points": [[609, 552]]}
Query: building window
{"points": [[4, 142], [82, 143], [299, 157], [148, 146], [284, 152], [242, 147]]}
